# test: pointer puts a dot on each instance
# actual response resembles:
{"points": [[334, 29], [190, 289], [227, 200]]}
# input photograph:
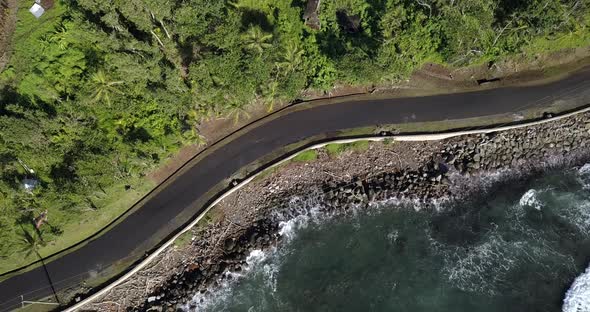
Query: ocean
{"points": [[522, 246]]}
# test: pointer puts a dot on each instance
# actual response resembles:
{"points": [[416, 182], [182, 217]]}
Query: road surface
{"points": [[160, 212]]}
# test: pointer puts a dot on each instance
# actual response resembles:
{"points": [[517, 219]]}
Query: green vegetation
{"points": [[335, 149], [98, 93], [305, 156], [212, 216], [388, 141], [38, 307], [184, 239]]}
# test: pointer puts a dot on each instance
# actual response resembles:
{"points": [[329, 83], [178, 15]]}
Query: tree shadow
{"points": [[507, 8], [54, 229], [64, 174], [348, 23], [32, 246], [302, 4], [331, 44], [25, 217], [137, 134], [350, 35], [10, 96], [9, 173], [138, 34], [251, 17], [12, 178]]}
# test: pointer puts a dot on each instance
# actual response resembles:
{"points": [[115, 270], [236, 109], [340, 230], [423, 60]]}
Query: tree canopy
{"points": [[97, 93]]}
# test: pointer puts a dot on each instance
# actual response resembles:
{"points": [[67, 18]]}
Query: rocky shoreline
{"points": [[422, 172]]}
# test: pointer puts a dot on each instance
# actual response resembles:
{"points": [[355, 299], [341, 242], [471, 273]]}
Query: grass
{"points": [[111, 206], [212, 216], [580, 37], [29, 31], [335, 149], [37, 308], [388, 141], [184, 239], [119, 200], [306, 156], [78, 227]]}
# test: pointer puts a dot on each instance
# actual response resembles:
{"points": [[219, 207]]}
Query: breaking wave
{"points": [[577, 298], [482, 254], [585, 169], [530, 199], [584, 175], [260, 265]]}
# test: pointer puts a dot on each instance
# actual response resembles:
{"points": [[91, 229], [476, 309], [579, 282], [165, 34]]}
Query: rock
{"points": [[253, 238], [422, 182], [229, 244]]}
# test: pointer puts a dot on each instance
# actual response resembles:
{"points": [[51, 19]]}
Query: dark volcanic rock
{"points": [[445, 175]]}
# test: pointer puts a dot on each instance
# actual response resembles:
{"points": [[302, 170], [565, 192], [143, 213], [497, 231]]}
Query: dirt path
{"points": [[8, 10]]}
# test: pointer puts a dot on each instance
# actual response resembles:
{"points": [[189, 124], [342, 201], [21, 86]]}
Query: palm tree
{"points": [[194, 117], [104, 88], [31, 244], [237, 112], [257, 40], [269, 93], [292, 57], [205, 104], [60, 36]]}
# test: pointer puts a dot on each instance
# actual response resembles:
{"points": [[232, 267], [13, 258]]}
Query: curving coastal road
{"points": [[175, 203]]}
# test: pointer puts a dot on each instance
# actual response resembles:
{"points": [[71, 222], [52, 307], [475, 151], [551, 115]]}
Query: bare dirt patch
{"points": [[7, 24]]}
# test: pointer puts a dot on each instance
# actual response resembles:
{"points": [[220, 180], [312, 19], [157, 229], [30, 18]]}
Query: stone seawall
{"points": [[451, 170], [525, 150]]}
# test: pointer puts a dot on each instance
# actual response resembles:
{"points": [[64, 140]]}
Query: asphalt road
{"points": [[159, 212]]}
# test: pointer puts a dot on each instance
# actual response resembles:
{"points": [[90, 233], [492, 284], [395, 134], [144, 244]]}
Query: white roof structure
{"points": [[37, 10], [30, 184]]}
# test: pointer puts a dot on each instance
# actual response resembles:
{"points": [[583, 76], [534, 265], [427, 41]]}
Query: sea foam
{"points": [[577, 298], [530, 199], [585, 169], [584, 176], [288, 229], [257, 263]]}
